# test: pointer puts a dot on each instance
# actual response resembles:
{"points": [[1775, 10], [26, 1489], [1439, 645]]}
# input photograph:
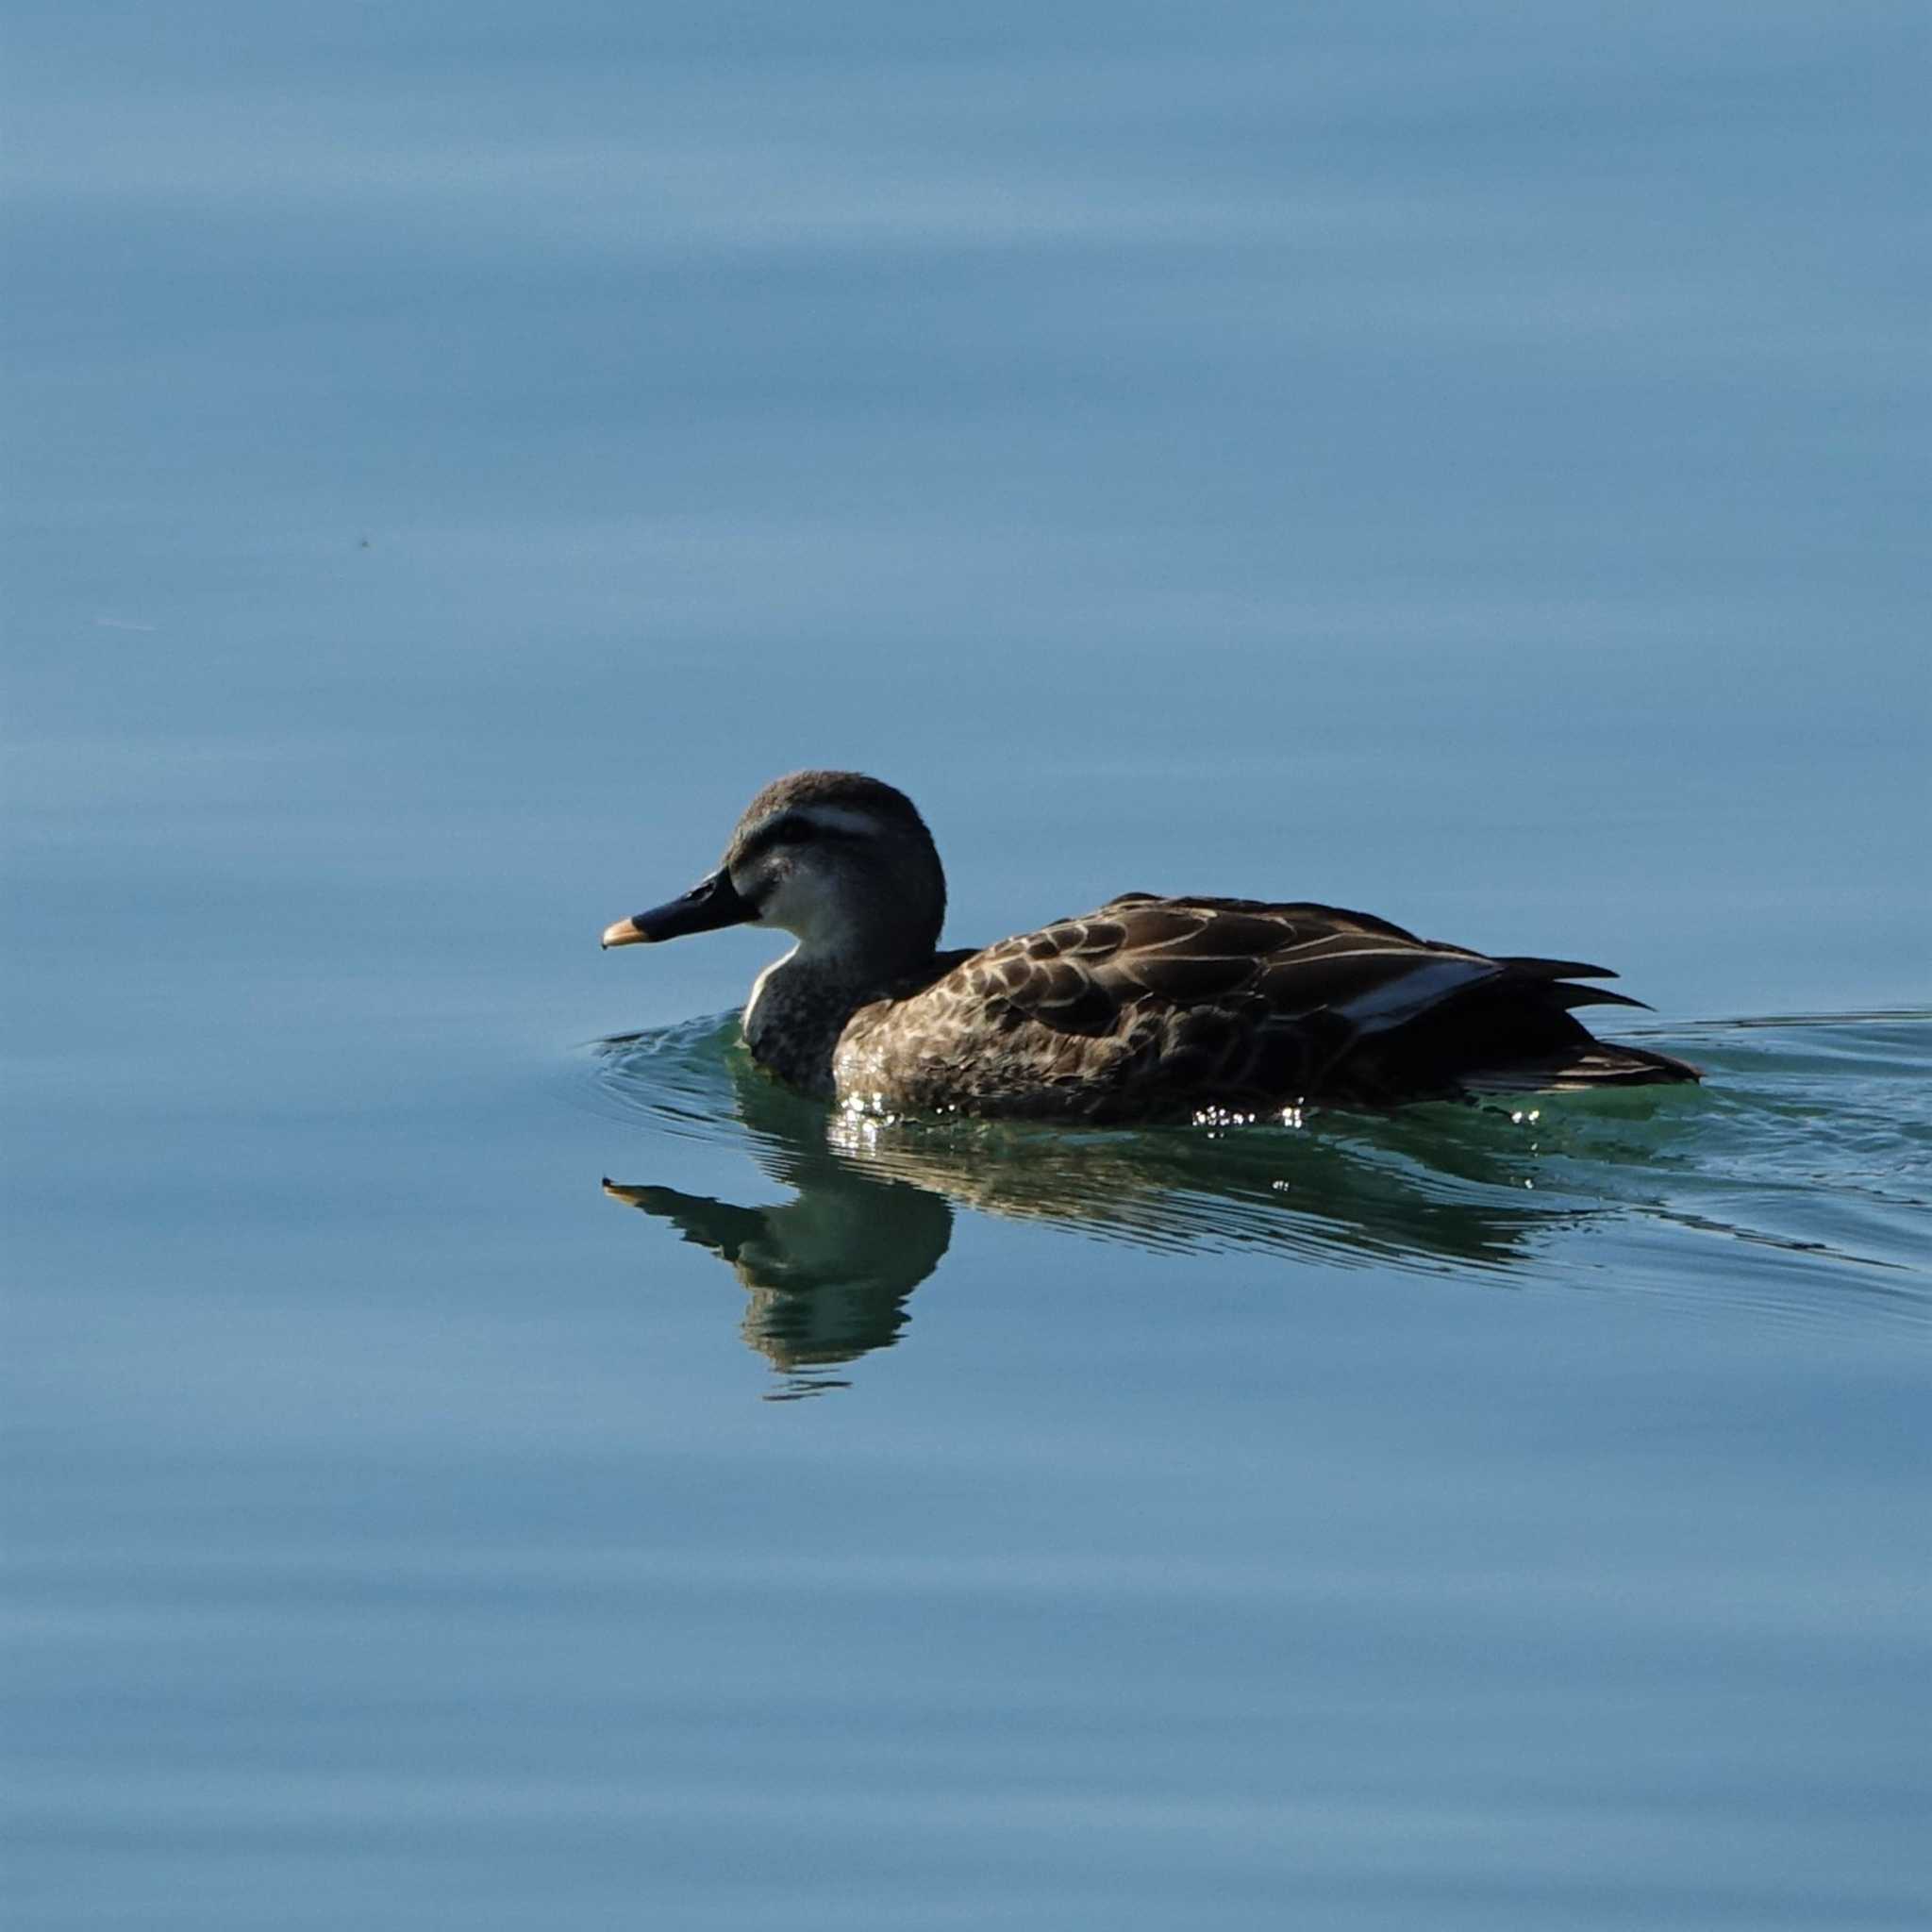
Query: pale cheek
{"points": [[759, 886], [782, 903]]}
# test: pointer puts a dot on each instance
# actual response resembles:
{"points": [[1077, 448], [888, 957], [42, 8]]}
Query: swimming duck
{"points": [[1145, 1009]]}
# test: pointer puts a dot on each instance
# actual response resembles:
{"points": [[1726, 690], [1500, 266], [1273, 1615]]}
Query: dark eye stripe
{"points": [[788, 828]]}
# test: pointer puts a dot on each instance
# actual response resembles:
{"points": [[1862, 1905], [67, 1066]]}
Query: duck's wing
{"points": [[1079, 974], [1237, 1001]]}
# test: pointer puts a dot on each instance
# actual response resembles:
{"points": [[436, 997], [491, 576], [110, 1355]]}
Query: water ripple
{"points": [[1808, 1153]]}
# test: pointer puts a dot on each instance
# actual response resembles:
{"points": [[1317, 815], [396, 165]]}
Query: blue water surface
{"points": [[478, 1453]]}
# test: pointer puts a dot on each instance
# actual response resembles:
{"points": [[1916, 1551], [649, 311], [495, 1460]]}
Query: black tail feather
{"points": [[1593, 996], [1534, 968]]}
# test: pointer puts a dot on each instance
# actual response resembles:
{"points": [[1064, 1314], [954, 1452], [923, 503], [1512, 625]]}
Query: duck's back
{"points": [[1153, 1008]]}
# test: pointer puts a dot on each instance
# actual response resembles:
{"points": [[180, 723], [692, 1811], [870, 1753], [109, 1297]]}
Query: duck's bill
{"points": [[708, 904]]}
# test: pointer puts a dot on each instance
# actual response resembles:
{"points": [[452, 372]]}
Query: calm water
{"points": [[477, 1455]]}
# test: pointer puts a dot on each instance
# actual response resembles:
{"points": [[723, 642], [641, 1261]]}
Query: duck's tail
{"points": [[1570, 1057], [1514, 1034]]}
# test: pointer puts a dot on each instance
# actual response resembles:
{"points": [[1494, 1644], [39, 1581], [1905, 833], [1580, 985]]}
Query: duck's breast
{"points": [[972, 1042]]}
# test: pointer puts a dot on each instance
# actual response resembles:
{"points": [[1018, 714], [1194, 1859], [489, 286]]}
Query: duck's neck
{"points": [[799, 1006]]}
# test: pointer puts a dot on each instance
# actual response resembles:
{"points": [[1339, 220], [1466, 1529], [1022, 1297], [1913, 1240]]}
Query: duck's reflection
{"points": [[830, 1272]]}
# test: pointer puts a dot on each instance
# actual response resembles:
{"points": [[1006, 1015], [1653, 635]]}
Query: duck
{"points": [[1149, 1009]]}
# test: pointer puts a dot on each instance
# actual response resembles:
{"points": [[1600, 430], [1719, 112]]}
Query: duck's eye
{"points": [[778, 835]]}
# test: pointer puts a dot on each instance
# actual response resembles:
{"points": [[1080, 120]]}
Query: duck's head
{"points": [[840, 860]]}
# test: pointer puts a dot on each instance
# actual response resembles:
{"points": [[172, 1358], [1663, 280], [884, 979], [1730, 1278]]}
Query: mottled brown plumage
{"points": [[1145, 1009]]}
